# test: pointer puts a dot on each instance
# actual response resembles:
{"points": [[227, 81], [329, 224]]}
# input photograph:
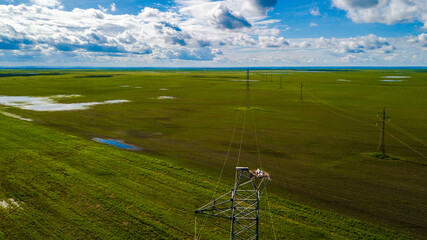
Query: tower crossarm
{"points": [[241, 204], [220, 207]]}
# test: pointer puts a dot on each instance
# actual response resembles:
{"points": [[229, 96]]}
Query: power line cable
{"points": [[222, 171], [407, 133], [365, 122], [260, 163]]}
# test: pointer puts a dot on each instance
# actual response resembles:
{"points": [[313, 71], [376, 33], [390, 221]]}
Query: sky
{"points": [[212, 33]]}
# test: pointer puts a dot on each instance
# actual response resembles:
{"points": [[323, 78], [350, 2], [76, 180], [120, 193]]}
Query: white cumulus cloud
{"points": [[361, 44], [315, 11], [272, 42], [226, 19], [420, 40], [47, 3], [219, 33], [384, 11], [194, 30]]}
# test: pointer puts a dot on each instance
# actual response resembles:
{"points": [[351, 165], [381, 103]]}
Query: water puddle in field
{"points": [[273, 73], [66, 96], [397, 77], [94, 76], [124, 86], [164, 97], [391, 80], [137, 87], [343, 80], [10, 203], [243, 80], [49, 104], [309, 71], [115, 143], [15, 116], [4, 204], [163, 89]]}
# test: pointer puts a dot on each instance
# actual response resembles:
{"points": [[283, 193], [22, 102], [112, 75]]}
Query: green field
{"points": [[317, 152]]}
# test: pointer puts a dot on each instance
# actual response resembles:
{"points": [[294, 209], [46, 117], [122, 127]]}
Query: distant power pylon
{"points": [[241, 204], [247, 97], [247, 80], [381, 146]]}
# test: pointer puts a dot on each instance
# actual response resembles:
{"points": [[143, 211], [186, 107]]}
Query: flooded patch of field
{"points": [[314, 71], [343, 80], [274, 73], [10, 203], [49, 104], [4, 204], [94, 76], [164, 97], [391, 80], [115, 143], [15, 116], [163, 89], [66, 96], [243, 80], [397, 77]]}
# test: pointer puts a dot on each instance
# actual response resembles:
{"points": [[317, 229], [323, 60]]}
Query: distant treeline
{"points": [[26, 74]]}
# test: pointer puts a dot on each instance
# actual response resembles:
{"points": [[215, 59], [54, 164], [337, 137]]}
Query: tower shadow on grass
{"points": [[383, 156]]}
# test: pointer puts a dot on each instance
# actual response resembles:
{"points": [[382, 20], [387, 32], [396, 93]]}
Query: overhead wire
{"points": [[406, 133], [271, 215], [255, 133], [391, 135], [310, 95], [241, 139], [368, 123], [260, 163], [393, 125], [341, 109], [248, 104], [333, 109], [222, 170]]}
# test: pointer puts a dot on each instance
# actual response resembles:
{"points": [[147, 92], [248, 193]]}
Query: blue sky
{"points": [[213, 33]]}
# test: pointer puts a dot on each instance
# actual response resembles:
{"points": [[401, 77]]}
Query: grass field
{"points": [[72, 188], [317, 151]]}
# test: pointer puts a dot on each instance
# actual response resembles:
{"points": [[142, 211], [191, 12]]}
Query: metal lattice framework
{"points": [[241, 204]]}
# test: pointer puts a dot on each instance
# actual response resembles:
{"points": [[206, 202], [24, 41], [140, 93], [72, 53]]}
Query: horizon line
{"points": [[198, 68]]}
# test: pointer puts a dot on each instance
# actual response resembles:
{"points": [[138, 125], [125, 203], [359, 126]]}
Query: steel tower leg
{"points": [[242, 207]]}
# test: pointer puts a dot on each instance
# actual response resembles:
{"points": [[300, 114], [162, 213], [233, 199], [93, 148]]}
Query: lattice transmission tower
{"points": [[381, 145], [241, 204]]}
